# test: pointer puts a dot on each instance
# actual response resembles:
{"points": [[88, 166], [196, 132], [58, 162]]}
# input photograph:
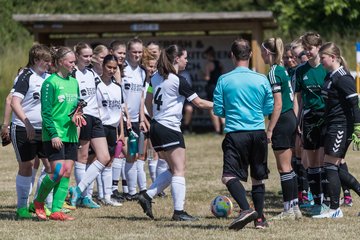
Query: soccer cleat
{"points": [[285, 215], [161, 194], [23, 213], [47, 211], [330, 213], [39, 210], [65, 210], [110, 202], [69, 207], [89, 203], [318, 210], [130, 197], [245, 216], [346, 201], [183, 216], [60, 216], [261, 223], [75, 195], [145, 203], [118, 196], [297, 212]]}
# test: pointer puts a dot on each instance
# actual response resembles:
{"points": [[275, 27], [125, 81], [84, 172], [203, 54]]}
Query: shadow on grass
{"points": [[195, 226]]}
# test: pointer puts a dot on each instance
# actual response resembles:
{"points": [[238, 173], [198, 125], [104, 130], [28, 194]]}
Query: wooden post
{"points": [[256, 39]]}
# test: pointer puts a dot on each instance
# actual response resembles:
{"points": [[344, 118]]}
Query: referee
{"points": [[243, 97]]}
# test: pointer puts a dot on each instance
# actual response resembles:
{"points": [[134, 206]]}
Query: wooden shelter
{"points": [[55, 28]]}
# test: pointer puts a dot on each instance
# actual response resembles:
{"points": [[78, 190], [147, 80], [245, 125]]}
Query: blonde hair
{"points": [[274, 46], [147, 57], [331, 49]]}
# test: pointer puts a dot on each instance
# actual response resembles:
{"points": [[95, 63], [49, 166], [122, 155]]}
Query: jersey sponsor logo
{"points": [[104, 103], [88, 91], [133, 87], [111, 103], [36, 95], [61, 98]]}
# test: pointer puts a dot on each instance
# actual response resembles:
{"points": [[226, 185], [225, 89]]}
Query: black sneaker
{"points": [[261, 223], [162, 194], [118, 196], [130, 197], [245, 216], [145, 202], [183, 216]]}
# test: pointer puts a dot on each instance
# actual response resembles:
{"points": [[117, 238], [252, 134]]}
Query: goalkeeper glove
{"points": [[356, 137]]}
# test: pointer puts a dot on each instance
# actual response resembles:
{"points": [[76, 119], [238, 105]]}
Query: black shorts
{"points": [[135, 126], [92, 129], [110, 134], [67, 152], [164, 138], [243, 149], [337, 138], [284, 131], [25, 149], [311, 121]]}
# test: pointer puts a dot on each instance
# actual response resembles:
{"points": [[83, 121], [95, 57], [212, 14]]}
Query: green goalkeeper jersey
{"points": [[59, 97]]}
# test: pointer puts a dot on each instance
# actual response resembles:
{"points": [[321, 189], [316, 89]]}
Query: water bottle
{"points": [[118, 148], [141, 142], [150, 153], [132, 143]]}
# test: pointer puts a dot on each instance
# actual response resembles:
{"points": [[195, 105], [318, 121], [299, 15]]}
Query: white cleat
{"points": [[331, 213]]}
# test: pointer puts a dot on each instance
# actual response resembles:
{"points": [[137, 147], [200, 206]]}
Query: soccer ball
{"points": [[221, 206]]}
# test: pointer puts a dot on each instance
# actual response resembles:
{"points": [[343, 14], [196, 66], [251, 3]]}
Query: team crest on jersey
{"points": [[305, 77], [104, 103], [36, 95], [61, 98]]}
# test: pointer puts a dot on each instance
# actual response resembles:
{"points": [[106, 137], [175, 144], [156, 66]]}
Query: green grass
{"points": [[204, 163]]}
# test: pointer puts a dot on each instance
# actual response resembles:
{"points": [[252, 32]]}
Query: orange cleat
{"points": [[60, 216], [39, 210]]}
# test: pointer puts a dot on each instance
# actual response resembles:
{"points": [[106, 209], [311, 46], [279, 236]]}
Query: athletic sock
{"points": [[334, 184], [116, 172], [178, 191], [131, 177], [161, 182], [23, 185], [304, 183], [141, 175], [295, 188], [349, 180], [91, 173], [258, 197], [60, 193], [41, 177], [324, 183], [152, 168], [33, 176], [107, 181], [161, 167], [314, 175], [238, 192], [344, 187], [45, 188], [287, 185], [79, 171], [100, 186], [123, 177]]}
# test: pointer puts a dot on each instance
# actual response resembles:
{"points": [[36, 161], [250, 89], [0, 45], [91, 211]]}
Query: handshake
{"points": [[77, 114]]}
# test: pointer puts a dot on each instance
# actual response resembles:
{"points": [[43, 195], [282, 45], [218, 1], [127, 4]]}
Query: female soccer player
{"points": [[118, 49], [164, 101], [282, 125], [26, 128], [110, 102], [59, 99], [309, 82], [342, 122]]}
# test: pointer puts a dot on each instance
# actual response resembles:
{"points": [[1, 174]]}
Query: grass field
{"points": [[204, 163]]}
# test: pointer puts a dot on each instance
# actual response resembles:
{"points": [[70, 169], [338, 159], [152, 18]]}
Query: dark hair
{"points": [[241, 49], [311, 39], [167, 59], [210, 51], [38, 52], [109, 58]]}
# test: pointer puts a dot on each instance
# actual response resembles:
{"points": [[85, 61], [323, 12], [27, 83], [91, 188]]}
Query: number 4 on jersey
{"points": [[158, 98]]}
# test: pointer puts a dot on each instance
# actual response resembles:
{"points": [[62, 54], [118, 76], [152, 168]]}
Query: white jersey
{"points": [[133, 84], [87, 80], [28, 88], [168, 99], [110, 102]]}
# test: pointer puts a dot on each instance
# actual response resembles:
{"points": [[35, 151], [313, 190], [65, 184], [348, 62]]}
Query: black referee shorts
{"points": [[243, 149]]}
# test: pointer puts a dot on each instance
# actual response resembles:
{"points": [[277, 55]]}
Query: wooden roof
{"points": [[145, 22]]}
